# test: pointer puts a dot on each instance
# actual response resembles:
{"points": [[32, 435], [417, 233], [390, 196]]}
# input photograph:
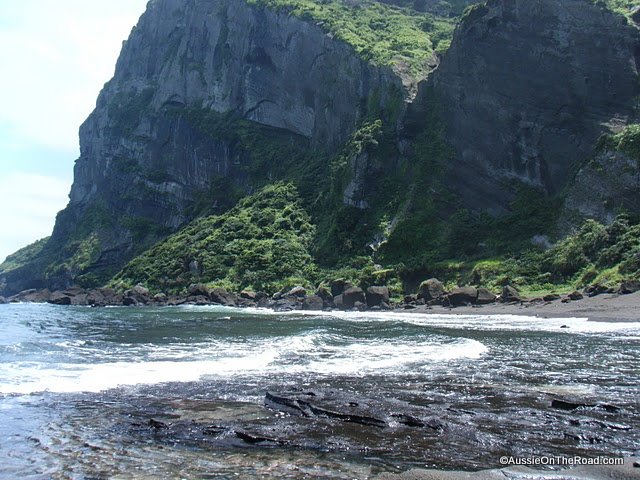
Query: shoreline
{"points": [[606, 307], [601, 308]]}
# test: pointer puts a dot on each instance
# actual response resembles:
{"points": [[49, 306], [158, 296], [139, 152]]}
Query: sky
{"points": [[55, 56]]}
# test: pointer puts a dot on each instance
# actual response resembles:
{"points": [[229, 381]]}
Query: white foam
{"points": [[315, 352]]}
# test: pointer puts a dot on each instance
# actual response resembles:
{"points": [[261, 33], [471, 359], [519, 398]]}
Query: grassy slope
{"points": [[380, 33]]}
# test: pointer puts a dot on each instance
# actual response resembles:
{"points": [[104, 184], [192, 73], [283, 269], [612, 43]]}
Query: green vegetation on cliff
{"points": [[380, 33], [23, 256], [262, 243]]}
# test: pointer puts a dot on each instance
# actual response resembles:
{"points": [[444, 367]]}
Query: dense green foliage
{"points": [[621, 6], [595, 254], [23, 256], [262, 243], [380, 33], [626, 141]]}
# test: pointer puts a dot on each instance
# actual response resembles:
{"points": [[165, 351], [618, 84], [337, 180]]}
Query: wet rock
{"points": [[287, 304], [157, 424], [325, 295], [59, 298], [198, 289], [338, 302], [510, 295], [377, 295], [220, 296], [485, 297], [352, 295], [307, 408], [32, 296], [629, 286], [563, 404], [252, 438], [431, 289], [410, 299], [312, 302], [160, 298], [248, 295], [461, 296], [551, 297], [3, 301], [137, 295], [636, 464]]}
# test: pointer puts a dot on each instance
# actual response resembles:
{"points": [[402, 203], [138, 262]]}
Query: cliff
{"points": [[403, 150], [529, 87]]}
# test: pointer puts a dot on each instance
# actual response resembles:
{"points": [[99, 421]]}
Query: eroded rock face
{"points": [[146, 162], [527, 89]]}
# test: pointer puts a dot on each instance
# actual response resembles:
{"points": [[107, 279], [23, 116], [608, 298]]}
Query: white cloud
{"points": [[28, 207]]}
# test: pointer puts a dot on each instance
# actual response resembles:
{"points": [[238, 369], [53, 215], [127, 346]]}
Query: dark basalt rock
{"points": [[221, 297], [351, 296], [376, 296], [431, 289], [575, 296], [461, 296], [629, 286], [485, 297], [552, 297], [510, 295], [312, 302], [339, 286]]}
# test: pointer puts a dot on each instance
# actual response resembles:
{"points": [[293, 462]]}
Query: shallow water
{"points": [[78, 387]]}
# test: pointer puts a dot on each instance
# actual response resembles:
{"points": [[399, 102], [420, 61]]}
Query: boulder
{"points": [[597, 289], [575, 296], [432, 289], [313, 302], [551, 297], [221, 297], [3, 301], [137, 295], [160, 298], [248, 295], [352, 295], [296, 292], [33, 296], [196, 289], [377, 295], [461, 296], [325, 295], [338, 302], [510, 295], [629, 286], [412, 298], [59, 298], [339, 286], [485, 297]]}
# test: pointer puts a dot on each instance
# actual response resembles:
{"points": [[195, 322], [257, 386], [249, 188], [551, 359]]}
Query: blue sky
{"points": [[55, 57]]}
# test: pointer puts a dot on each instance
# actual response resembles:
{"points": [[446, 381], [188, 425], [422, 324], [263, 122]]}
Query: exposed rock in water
{"points": [[312, 302]]}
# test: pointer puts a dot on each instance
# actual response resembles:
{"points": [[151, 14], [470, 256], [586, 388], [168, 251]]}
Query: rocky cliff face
{"points": [[213, 99], [527, 88], [146, 161]]}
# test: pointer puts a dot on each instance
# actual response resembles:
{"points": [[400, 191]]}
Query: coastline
{"points": [[601, 308]]}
